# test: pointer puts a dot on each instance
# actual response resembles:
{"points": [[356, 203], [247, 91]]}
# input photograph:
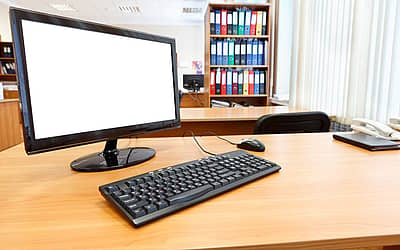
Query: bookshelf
{"points": [[254, 36], [7, 63]]}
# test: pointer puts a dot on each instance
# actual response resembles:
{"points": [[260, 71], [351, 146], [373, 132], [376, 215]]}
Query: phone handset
{"points": [[395, 123], [374, 128]]}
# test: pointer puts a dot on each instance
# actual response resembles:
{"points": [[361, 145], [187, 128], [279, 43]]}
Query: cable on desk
{"points": [[197, 142], [221, 138]]}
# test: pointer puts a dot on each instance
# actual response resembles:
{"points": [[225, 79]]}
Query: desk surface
{"points": [[232, 114], [328, 195]]}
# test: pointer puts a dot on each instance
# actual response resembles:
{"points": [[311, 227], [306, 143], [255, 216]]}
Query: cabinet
{"points": [[237, 56], [7, 63]]}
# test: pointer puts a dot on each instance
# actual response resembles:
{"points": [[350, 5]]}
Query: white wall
{"points": [[5, 30], [189, 44]]}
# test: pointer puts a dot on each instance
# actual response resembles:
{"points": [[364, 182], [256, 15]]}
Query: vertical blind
{"points": [[346, 58]]}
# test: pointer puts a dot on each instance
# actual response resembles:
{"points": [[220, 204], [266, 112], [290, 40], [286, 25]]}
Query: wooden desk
{"points": [[222, 121], [328, 195], [10, 123]]}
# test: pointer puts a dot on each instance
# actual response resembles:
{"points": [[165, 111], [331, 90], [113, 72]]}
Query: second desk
{"points": [[222, 121]]}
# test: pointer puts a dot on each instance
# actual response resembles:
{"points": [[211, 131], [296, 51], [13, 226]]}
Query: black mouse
{"points": [[251, 144]]}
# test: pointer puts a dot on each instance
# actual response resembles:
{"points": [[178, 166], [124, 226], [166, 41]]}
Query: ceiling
{"points": [[143, 12]]}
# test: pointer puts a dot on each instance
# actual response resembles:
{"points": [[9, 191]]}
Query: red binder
{"points": [[224, 14], [251, 82], [212, 82], [223, 82], [234, 82], [253, 23]]}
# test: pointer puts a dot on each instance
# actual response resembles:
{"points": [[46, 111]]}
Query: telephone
{"points": [[395, 123], [375, 128]]}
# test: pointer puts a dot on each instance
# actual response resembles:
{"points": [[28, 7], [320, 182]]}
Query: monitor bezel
{"points": [[33, 145]]}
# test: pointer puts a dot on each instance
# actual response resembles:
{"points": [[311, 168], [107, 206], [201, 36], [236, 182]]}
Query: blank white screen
{"points": [[84, 81]]}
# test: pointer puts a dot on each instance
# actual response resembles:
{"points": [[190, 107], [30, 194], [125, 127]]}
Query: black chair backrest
{"points": [[297, 122]]}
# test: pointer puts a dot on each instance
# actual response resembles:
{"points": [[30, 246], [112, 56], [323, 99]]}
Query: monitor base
{"points": [[112, 158]]}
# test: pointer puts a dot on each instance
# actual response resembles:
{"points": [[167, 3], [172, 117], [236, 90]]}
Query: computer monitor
{"points": [[82, 82], [193, 82]]}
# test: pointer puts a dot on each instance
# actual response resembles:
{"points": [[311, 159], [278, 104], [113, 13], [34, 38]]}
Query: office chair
{"points": [[288, 123]]}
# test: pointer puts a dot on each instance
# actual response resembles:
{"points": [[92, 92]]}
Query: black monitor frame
{"points": [[33, 145]]}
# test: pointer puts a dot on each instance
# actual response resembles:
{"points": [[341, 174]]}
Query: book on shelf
{"points": [[264, 23], [218, 22], [218, 82], [243, 45], [260, 53], [236, 60], [253, 23], [251, 82], [225, 52], [247, 22], [256, 82], [213, 52], [249, 52], [223, 82], [231, 51], [212, 22], [212, 82], [235, 22], [219, 52], [254, 49], [240, 82], [229, 23], [229, 82], [259, 23], [241, 22], [234, 82], [246, 82], [262, 82], [224, 22]]}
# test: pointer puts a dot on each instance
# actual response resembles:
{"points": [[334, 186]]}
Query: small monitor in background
{"points": [[193, 82]]}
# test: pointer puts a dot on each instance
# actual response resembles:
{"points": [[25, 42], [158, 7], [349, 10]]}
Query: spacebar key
{"points": [[190, 195]]}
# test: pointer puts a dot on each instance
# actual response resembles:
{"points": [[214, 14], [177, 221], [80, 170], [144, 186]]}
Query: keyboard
{"points": [[147, 197]]}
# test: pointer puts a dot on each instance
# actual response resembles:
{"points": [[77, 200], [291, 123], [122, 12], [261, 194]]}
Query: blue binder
{"points": [[213, 52], [225, 51], [260, 53], [218, 22], [229, 82], [256, 82], [247, 22], [249, 53], [255, 49], [262, 82], [219, 52]]}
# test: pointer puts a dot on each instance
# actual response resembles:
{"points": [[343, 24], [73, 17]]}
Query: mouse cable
{"points": [[222, 138], [197, 142]]}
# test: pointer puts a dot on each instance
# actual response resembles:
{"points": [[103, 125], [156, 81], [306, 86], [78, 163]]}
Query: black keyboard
{"points": [[144, 198]]}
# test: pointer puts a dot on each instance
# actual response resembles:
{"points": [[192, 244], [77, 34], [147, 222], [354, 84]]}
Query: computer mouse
{"points": [[251, 144]]}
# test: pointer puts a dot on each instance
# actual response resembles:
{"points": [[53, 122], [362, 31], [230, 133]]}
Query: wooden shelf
{"points": [[235, 96], [238, 66], [6, 58], [240, 36]]}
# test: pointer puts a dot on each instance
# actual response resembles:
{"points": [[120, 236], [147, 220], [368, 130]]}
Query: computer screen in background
{"points": [[83, 82]]}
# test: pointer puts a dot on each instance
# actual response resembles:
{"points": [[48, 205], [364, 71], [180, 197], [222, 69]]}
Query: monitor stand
{"points": [[112, 158]]}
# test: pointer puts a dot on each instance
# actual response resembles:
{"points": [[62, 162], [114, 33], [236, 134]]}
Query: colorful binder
{"points": [[246, 82], [213, 52], [212, 22], [255, 52], [219, 52], [260, 53], [251, 82], [218, 82], [264, 23], [241, 22], [225, 52], [243, 44], [240, 83], [218, 22], [247, 23], [256, 82], [235, 22], [253, 23], [224, 14], [262, 82], [229, 82], [231, 51], [237, 52], [230, 23], [249, 53], [223, 82], [234, 82], [212, 82], [259, 23]]}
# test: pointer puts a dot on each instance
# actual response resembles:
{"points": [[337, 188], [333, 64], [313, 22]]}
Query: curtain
{"points": [[346, 58]]}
